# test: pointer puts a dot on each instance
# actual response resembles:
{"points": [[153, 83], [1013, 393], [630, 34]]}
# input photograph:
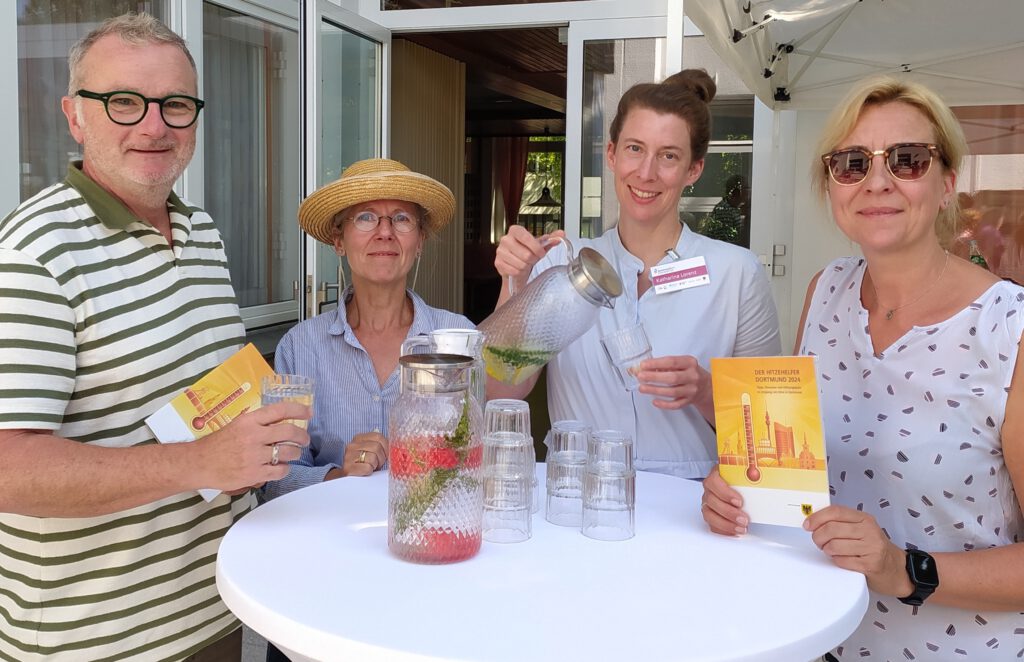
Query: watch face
{"points": [[922, 569]]}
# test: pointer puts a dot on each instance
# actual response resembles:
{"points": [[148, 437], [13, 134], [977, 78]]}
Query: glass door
{"points": [[344, 120], [250, 73], [605, 58]]}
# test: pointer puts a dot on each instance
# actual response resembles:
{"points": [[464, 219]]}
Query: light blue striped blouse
{"points": [[348, 399]]}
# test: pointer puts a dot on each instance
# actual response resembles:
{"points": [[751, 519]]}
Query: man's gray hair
{"points": [[135, 29]]}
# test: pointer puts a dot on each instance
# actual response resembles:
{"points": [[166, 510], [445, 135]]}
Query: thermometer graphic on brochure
{"points": [[753, 473]]}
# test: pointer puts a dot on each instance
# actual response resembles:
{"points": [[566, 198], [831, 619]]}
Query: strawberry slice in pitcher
{"points": [[442, 458], [405, 462], [446, 546]]}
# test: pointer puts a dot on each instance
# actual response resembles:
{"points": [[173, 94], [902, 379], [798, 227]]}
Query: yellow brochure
{"points": [[224, 393], [771, 445]]}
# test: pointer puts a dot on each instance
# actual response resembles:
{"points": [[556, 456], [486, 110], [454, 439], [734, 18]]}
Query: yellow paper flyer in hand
{"points": [[771, 444], [224, 393]]}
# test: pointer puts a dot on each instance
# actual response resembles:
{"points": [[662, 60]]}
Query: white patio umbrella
{"points": [[804, 53]]}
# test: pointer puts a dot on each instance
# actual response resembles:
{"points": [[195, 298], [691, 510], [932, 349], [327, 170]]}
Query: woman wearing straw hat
{"points": [[377, 216]]}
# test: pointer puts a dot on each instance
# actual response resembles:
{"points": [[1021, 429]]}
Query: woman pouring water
{"points": [[377, 216], [658, 141]]}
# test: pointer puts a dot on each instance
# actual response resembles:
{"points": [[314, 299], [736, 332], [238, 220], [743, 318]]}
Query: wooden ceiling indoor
{"points": [[515, 79]]}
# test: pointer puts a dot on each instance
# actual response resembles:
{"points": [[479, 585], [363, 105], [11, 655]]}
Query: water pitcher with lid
{"points": [[435, 453], [554, 309]]}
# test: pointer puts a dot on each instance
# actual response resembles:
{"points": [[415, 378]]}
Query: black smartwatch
{"points": [[923, 574]]}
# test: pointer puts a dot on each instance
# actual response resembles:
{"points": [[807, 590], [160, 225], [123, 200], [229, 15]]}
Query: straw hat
{"points": [[375, 179]]}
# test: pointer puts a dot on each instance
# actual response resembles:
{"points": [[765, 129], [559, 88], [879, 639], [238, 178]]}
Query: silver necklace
{"points": [[892, 311]]}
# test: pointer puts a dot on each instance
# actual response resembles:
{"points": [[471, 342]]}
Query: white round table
{"points": [[311, 572]]}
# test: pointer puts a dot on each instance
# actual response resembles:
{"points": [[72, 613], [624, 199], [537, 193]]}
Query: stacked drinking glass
{"points": [[609, 487], [509, 471], [566, 461]]}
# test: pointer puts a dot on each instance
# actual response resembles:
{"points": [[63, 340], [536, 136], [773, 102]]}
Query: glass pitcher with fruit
{"points": [[435, 457], [554, 309]]}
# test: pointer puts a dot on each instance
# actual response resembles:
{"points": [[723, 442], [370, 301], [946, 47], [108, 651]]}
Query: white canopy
{"points": [[805, 53]]}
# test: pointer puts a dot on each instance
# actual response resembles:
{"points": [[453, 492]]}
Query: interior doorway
{"points": [[514, 140], [515, 101]]}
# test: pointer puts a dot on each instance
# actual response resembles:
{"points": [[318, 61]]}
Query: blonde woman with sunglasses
{"points": [[923, 394]]}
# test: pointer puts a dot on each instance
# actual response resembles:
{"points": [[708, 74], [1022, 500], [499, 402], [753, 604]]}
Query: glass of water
{"points": [[627, 348], [287, 388]]}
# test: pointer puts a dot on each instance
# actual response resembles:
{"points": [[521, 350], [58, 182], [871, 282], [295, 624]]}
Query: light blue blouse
{"points": [[348, 399]]}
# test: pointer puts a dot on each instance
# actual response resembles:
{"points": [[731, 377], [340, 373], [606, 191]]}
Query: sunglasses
{"points": [[906, 162]]}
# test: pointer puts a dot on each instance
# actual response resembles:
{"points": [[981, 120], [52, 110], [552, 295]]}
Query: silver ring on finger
{"points": [[274, 459]]}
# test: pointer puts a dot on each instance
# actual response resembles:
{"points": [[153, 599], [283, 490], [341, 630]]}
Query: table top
{"points": [[311, 572]]}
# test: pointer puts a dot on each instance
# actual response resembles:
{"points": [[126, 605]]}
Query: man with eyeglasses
{"points": [[115, 296]]}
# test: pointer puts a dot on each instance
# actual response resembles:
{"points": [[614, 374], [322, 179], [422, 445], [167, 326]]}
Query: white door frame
{"points": [[580, 32], [496, 17], [314, 13], [187, 20]]}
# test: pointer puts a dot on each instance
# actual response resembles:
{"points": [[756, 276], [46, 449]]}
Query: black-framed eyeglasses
{"points": [[905, 161], [179, 111], [367, 221]]}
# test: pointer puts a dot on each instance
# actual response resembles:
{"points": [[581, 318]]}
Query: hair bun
{"points": [[696, 81]]}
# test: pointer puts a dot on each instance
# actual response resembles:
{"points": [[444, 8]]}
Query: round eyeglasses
{"points": [[367, 221], [905, 161], [179, 111]]}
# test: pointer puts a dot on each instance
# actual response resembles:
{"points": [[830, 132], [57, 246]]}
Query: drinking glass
{"points": [[566, 461], [626, 348], [287, 388], [467, 342], [609, 487], [506, 415], [508, 465], [509, 471]]}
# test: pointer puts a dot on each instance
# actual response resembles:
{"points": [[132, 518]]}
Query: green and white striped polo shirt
{"points": [[101, 323]]}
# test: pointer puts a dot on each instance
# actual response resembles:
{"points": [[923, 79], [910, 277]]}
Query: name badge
{"points": [[680, 275]]}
